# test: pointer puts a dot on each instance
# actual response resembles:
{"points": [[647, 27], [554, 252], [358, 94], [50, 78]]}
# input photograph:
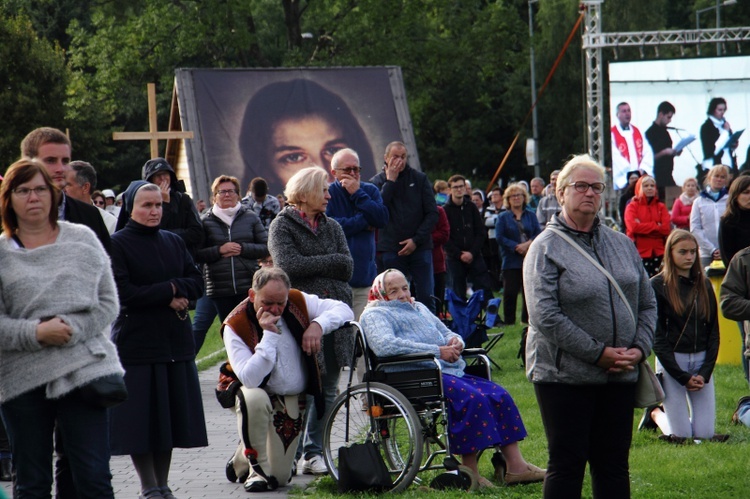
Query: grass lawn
{"points": [[657, 469]]}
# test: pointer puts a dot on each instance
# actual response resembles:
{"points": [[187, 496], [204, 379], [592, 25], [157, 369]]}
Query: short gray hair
{"points": [[264, 275], [581, 161], [84, 173], [342, 152], [309, 182]]}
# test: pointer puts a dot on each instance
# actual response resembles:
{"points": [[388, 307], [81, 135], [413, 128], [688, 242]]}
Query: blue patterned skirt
{"points": [[481, 414]]}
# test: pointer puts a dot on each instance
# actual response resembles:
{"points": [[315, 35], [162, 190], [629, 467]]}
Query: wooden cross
{"points": [[153, 134]]}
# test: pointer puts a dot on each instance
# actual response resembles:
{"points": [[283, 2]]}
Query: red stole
{"points": [[622, 144]]}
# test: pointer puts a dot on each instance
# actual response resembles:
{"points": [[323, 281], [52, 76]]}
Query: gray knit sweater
{"points": [[71, 279], [317, 262]]}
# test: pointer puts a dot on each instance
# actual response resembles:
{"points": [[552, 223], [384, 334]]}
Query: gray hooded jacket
{"points": [[574, 311]]}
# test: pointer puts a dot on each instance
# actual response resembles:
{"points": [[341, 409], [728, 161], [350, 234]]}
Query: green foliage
{"points": [[465, 65], [33, 75]]}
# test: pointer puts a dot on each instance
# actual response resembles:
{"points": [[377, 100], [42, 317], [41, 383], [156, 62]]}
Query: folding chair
{"points": [[468, 320]]}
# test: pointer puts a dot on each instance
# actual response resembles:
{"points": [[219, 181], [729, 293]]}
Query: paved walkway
{"points": [[198, 473]]}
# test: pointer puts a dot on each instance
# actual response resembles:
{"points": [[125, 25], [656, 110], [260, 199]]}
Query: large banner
{"points": [[689, 85], [271, 123]]}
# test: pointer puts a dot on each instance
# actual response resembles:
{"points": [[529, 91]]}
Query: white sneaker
{"points": [[315, 466]]}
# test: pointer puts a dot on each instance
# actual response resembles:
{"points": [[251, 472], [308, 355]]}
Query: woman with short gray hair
{"points": [[311, 248], [588, 330]]}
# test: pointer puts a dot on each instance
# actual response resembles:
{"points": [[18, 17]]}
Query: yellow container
{"points": [[730, 344]]}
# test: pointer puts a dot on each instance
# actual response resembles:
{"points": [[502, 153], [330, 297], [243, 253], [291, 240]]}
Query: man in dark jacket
{"points": [[52, 147], [464, 248], [179, 214], [406, 242]]}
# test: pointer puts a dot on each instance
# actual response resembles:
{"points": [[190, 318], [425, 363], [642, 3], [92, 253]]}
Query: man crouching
{"points": [[273, 349]]}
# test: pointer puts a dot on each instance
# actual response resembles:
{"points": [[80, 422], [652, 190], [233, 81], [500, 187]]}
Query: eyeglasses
{"points": [[227, 192], [597, 187], [24, 192], [519, 195], [458, 187], [99, 202], [351, 170]]}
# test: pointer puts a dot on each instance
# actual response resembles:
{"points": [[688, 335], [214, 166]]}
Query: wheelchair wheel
{"points": [[397, 430]]}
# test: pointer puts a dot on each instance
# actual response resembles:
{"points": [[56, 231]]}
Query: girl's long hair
{"points": [[738, 186], [671, 278]]}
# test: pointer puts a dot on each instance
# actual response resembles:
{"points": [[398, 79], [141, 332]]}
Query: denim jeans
{"points": [[311, 444], [30, 421], [691, 414], [417, 266], [205, 313]]}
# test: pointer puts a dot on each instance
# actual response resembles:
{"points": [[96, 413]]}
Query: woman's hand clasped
{"points": [[53, 332], [452, 351], [695, 383], [618, 360]]}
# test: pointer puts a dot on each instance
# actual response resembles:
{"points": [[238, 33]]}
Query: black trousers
{"points": [[512, 287], [587, 424]]}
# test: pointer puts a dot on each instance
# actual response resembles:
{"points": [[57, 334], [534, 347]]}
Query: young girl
{"points": [[686, 342]]}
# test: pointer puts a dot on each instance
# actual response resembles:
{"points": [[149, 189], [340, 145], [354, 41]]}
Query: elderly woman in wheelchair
{"points": [[481, 414]]}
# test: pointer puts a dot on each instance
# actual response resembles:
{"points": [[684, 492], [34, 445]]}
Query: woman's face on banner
{"points": [[301, 142]]}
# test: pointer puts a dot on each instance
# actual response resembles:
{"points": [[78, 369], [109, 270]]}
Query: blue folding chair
{"points": [[467, 317], [467, 320]]}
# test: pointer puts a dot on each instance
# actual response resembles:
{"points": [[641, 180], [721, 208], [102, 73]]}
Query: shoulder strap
{"points": [[596, 264]]}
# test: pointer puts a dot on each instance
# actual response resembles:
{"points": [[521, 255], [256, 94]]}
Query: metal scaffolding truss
{"points": [[594, 41], [656, 38]]}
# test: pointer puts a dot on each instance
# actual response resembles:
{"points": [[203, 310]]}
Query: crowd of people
{"points": [[285, 273]]}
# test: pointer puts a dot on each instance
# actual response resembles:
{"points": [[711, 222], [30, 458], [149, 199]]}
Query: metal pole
{"points": [[534, 122], [718, 25]]}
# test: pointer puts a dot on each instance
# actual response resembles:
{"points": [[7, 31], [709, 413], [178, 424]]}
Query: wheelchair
{"points": [[404, 413]]}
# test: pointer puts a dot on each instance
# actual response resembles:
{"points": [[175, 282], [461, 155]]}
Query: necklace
{"points": [[182, 314]]}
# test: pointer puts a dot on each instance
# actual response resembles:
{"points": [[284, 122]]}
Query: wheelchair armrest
{"points": [[407, 357], [473, 352]]}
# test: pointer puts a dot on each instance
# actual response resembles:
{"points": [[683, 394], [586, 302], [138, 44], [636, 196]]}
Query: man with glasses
{"points": [[464, 248], [80, 177], [179, 214], [358, 207], [405, 243]]}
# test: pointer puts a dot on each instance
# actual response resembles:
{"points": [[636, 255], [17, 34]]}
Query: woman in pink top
{"points": [[684, 203]]}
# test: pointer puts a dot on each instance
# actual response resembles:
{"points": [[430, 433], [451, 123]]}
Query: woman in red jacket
{"points": [[684, 203], [647, 220]]}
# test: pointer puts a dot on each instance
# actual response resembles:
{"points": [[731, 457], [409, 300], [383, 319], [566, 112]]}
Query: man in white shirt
{"points": [[629, 148], [273, 348]]}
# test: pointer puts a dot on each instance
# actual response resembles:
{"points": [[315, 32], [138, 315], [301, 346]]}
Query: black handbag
{"points": [[361, 466], [105, 392]]}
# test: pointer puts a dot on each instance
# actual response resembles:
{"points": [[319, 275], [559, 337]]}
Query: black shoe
{"points": [[256, 483], [647, 422], [6, 470], [673, 439], [231, 474]]}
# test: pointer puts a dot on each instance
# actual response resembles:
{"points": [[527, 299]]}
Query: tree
{"points": [[34, 77]]}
